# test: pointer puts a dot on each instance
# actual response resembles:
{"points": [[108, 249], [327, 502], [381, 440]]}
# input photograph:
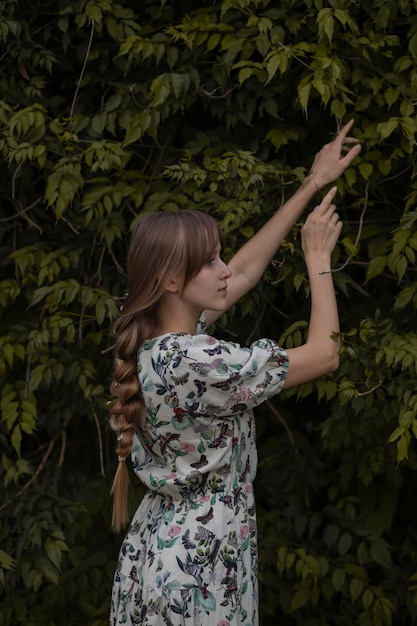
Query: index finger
{"points": [[326, 203], [345, 129], [342, 134]]}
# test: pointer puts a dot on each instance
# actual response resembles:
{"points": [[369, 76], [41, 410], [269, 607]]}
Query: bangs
{"points": [[201, 239], [165, 245]]}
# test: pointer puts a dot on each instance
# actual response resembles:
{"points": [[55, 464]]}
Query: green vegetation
{"points": [[110, 109]]}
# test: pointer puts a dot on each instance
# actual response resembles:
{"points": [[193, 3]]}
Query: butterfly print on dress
{"points": [[190, 554]]}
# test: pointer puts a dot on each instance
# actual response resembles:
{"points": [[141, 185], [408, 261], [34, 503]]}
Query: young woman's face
{"points": [[208, 289]]}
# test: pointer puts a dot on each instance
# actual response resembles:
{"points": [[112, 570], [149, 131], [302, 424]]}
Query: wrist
{"points": [[318, 262], [311, 185], [314, 179]]}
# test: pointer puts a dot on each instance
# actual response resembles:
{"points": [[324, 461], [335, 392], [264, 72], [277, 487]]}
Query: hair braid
{"points": [[125, 409], [164, 245]]}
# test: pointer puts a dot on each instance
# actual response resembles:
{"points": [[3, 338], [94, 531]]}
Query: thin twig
{"points": [[34, 477], [119, 267], [210, 94], [100, 265], [258, 320], [362, 216], [365, 393], [282, 421], [272, 305], [74, 100], [16, 172], [74, 230], [63, 444], [100, 443], [27, 377], [81, 324], [23, 214], [279, 280], [294, 55]]}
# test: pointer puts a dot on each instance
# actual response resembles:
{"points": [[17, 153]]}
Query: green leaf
{"points": [[300, 599], [345, 543], [366, 170], [6, 561], [402, 446], [356, 587], [331, 534], [381, 554], [325, 22], [338, 578], [385, 129], [367, 598], [304, 91], [376, 266]]}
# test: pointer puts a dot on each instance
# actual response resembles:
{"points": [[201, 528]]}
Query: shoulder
{"points": [[219, 355]]}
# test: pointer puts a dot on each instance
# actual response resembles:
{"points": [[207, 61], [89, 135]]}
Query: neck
{"points": [[174, 317]]}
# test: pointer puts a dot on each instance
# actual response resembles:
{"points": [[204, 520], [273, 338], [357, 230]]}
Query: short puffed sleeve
{"points": [[215, 377]]}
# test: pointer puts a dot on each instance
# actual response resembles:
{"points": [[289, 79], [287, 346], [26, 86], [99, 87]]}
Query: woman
{"points": [[183, 404]]}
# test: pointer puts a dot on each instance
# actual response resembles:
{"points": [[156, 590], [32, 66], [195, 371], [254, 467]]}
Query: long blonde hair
{"points": [[164, 245]]}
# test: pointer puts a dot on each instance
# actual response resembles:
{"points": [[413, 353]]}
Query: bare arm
{"points": [[319, 354], [250, 262]]}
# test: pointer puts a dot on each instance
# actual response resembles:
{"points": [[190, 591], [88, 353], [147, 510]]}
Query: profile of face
{"points": [[183, 247], [208, 288]]}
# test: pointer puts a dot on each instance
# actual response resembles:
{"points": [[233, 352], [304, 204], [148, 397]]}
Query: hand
{"points": [[321, 230], [334, 157]]}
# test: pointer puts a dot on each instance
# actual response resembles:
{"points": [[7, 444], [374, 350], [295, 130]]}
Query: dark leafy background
{"points": [[109, 110]]}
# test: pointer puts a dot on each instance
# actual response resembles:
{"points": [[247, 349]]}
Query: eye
{"points": [[216, 254]]}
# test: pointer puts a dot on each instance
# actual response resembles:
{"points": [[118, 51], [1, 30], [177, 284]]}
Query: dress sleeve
{"points": [[223, 377]]}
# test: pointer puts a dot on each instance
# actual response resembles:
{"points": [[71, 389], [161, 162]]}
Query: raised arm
{"points": [[250, 262], [319, 354]]}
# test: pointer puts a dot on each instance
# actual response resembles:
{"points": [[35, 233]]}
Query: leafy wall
{"points": [[112, 109]]}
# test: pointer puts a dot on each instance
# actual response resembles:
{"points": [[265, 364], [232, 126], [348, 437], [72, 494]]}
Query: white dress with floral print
{"points": [[190, 555]]}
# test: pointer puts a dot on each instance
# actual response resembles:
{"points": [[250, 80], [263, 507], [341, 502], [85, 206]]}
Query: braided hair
{"points": [[164, 245]]}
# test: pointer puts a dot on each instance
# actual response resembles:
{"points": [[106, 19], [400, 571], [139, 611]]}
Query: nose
{"points": [[226, 271]]}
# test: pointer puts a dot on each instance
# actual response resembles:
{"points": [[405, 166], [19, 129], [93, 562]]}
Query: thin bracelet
{"points": [[316, 180]]}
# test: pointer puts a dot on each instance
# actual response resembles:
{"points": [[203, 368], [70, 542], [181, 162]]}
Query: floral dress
{"points": [[190, 554]]}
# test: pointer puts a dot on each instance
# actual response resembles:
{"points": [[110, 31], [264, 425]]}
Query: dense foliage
{"points": [[110, 109]]}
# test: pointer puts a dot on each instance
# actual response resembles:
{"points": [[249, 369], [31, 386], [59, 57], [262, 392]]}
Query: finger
{"points": [[338, 227], [350, 154], [326, 203], [345, 129], [345, 138], [335, 219], [350, 140], [334, 228]]}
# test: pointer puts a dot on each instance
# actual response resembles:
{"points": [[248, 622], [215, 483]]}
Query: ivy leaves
{"points": [[109, 111]]}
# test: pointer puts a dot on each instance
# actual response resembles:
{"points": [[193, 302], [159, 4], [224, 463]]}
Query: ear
{"points": [[173, 286]]}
